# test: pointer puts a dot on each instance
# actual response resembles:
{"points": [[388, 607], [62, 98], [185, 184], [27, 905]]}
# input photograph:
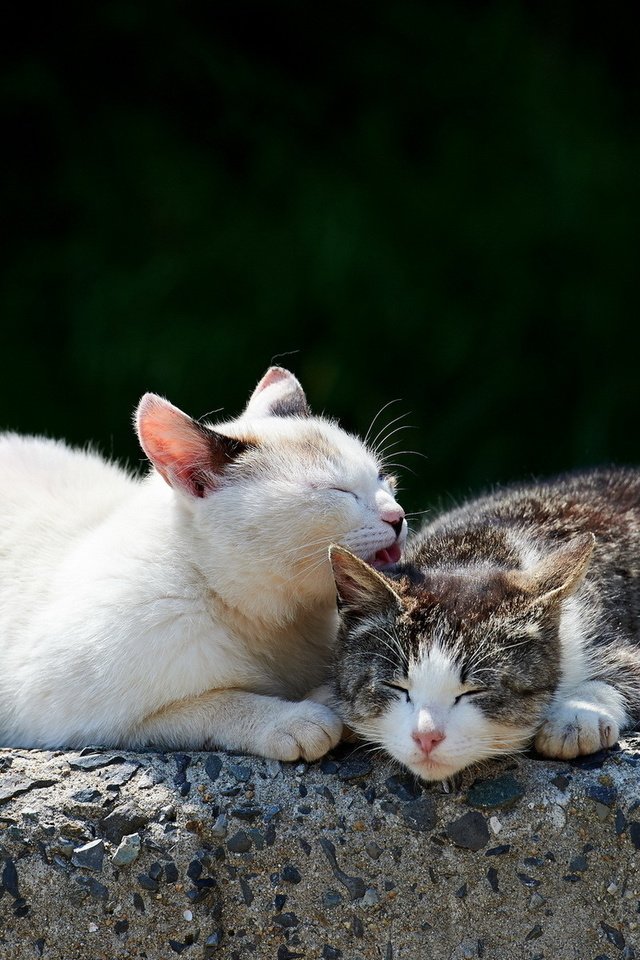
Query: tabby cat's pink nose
{"points": [[427, 741]]}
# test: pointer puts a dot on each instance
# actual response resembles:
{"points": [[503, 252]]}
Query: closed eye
{"points": [[342, 490], [470, 693], [397, 688]]}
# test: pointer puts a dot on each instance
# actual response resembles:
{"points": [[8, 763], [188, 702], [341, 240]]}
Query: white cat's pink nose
{"points": [[427, 741], [395, 518]]}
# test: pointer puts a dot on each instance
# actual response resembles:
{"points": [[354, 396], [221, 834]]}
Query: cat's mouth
{"points": [[431, 769], [387, 557]]}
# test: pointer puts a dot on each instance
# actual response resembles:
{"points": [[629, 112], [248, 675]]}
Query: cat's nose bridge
{"points": [[389, 509], [428, 719]]}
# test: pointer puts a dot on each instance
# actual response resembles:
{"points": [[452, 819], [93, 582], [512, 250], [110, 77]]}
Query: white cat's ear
{"points": [[187, 455], [279, 394], [361, 589], [558, 573]]}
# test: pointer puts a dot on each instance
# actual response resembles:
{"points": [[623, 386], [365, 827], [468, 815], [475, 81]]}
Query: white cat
{"points": [[189, 613]]}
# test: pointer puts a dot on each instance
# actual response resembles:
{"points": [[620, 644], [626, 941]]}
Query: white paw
{"points": [[574, 728], [306, 732]]}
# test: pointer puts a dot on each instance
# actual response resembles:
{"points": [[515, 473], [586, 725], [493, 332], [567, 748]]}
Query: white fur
{"points": [[585, 715], [469, 736], [135, 613], [589, 719], [573, 631]]}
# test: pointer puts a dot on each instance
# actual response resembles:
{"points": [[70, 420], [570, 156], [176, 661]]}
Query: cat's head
{"points": [[447, 668], [267, 492]]}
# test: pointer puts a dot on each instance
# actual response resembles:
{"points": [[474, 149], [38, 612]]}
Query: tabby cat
{"points": [[514, 618]]}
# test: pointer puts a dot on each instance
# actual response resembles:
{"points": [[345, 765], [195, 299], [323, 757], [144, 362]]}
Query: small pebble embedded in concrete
{"points": [[291, 874], [128, 850], [469, 831], [90, 855], [501, 792], [239, 842]]}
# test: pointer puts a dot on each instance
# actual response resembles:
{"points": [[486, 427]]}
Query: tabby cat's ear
{"points": [[187, 455], [279, 394], [362, 591], [558, 573]]}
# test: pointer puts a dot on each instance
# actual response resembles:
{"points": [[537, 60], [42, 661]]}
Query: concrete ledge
{"points": [[107, 854]]}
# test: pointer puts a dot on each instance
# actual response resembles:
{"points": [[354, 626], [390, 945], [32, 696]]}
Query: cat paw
{"points": [[307, 733], [574, 730]]}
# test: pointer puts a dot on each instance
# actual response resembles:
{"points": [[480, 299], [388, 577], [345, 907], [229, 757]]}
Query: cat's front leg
{"points": [[322, 694], [239, 720], [587, 719]]}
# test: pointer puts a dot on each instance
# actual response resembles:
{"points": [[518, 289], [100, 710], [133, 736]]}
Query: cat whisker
{"points": [[375, 751], [373, 444], [321, 542], [475, 661], [303, 554], [392, 663], [371, 739], [312, 569], [309, 570], [379, 413], [385, 448], [368, 748], [388, 449], [382, 447], [394, 646], [414, 453], [400, 466], [326, 541]]}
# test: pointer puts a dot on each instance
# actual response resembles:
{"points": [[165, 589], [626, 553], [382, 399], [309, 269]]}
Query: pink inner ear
{"points": [[177, 447], [273, 375]]}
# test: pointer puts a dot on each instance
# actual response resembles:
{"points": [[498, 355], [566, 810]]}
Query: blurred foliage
{"points": [[435, 202]]}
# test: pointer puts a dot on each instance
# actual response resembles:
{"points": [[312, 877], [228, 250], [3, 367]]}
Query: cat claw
{"points": [[573, 731]]}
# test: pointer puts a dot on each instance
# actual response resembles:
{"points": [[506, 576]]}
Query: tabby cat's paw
{"points": [[575, 729], [307, 732]]}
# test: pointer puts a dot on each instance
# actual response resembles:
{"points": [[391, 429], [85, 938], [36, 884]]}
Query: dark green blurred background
{"points": [[436, 202]]}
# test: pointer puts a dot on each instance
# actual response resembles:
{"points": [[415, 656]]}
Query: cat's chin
{"points": [[431, 770], [386, 558]]}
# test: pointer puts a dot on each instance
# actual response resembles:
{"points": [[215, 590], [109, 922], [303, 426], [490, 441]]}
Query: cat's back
{"points": [[597, 500], [49, 492], [604, 501], [36, 472]]}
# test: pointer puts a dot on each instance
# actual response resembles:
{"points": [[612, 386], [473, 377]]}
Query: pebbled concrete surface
{"points": [[107, 854]]}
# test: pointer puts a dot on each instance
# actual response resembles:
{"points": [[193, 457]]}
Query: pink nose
{"points": [[395, 518], [427, 741]]}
